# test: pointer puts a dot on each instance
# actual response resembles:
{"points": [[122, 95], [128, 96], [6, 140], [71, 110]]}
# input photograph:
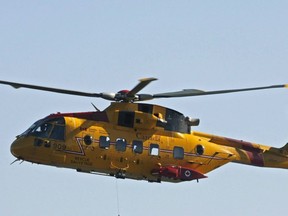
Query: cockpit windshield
{"points": [[47, 128], [43, 130]]}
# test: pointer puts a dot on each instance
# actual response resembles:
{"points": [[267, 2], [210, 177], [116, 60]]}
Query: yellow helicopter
{"points": [[137, 140]]}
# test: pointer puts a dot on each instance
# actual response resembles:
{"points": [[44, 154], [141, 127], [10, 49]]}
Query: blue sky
{"points": [[98, 46]]}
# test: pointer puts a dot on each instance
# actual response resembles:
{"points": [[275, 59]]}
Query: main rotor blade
{"points": [[56, 90], [197, 92], [143, 82]]}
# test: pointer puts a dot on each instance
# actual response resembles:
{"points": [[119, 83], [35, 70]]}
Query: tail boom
{"points": [[251, 153]]}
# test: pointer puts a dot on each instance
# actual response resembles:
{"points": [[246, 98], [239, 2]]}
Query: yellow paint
{"points": [[147, 127]]}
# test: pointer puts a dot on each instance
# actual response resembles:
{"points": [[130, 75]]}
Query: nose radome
{"points": [[16, 148]]}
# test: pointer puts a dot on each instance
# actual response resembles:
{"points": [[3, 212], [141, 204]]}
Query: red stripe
{"points": [[256, 158]]}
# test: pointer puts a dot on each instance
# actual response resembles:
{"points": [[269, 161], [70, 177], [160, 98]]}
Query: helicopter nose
{"points": [[16, 148]]}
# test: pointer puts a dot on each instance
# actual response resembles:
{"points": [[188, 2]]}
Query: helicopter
{"points": [[136, 140]]}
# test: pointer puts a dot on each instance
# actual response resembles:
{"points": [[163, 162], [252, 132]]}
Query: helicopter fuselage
{"points": [[137, 141]]}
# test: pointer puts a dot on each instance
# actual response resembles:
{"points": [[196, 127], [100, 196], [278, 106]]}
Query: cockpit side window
{"points": [[58, 132], [48, 128]]}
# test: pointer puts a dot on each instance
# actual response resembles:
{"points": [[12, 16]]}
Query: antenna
{"points": [[95, 107]]}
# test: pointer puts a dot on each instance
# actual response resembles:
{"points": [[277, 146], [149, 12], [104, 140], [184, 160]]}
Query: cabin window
{"points": [[120, 144], [154, 149], [88, 140], [200, 149], [137, 146], [178, 152], [104, 142]]}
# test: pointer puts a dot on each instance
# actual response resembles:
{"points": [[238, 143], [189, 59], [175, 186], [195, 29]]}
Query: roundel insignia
{"points": [[187, 173]]}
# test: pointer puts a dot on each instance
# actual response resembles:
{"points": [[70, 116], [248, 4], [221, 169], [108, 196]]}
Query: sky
{"points": [[99, 46]]}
